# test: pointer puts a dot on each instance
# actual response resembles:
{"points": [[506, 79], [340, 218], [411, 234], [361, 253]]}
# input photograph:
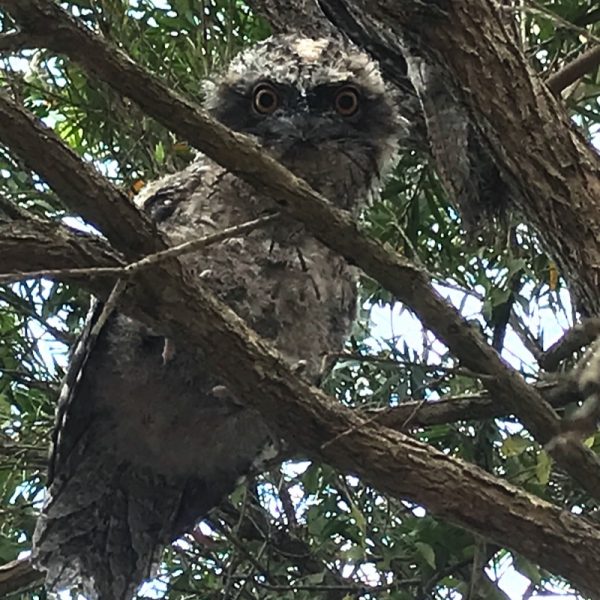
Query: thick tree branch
{"points": [[577, 337], [332, 226], [546, 170], [392, 462], [585, 63], [33, 244], [81, 185], [14, 42], [18, 575], [64, 253]]}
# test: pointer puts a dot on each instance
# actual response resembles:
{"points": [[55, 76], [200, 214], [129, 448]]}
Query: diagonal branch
{"points": [[574, 339], [585, 63], [30, 240], [18, 575], [81, 185], [38, 244], [14, 42], [545, 170], [391, 461], [332, 226], [34, 248]]}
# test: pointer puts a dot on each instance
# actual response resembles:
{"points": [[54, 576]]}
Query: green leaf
{"points": [[543, 467], [159, 153], [427, 552], [515, 445]]}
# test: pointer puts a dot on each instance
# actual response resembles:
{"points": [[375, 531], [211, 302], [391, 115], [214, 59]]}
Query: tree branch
{"points": [[413, 414], [18, 575], [506, 117], [577, 337], [394, 463], [14, 42], [115, 216], [34, 248], [37, 244], [64, 259], [585, 63]]}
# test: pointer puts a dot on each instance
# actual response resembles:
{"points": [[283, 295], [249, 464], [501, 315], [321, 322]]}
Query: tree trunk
{"points": [[517, 149]]}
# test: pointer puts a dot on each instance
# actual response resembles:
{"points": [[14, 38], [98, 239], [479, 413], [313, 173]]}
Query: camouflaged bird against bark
{"points": [[148, 440]]}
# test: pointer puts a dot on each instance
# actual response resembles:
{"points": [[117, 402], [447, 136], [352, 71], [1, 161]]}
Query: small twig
{"points": [[234, 561], [413, 414], [252, 570], [109, 306], [286, 501], [477, 566], [200, 243], [241, 547], [148, 261]]}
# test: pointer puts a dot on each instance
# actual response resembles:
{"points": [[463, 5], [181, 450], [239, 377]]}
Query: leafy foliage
{"points": [[302, 530]]}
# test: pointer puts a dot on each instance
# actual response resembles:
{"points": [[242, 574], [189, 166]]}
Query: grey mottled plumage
{"points": [[146, 446]]}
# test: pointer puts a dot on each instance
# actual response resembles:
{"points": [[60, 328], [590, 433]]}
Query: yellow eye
{"points": [[265, 98], [347, 101]]}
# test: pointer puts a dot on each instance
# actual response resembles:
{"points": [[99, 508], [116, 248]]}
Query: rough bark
{"points": [[500, 141], [546, 170], [332, 226], [35, 244], [391, 461], [33, 247], [18, 575]]}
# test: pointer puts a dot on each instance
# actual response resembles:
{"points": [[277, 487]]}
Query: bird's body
{"points": [[148, 440]]}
